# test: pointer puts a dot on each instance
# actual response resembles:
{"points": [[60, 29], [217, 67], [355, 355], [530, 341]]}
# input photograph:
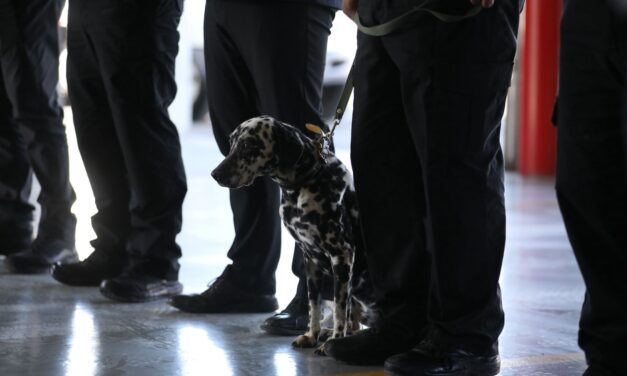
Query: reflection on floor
{"points": [[50, 329]]}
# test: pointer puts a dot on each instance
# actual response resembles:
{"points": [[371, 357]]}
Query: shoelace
{"points": [[214, 285]]}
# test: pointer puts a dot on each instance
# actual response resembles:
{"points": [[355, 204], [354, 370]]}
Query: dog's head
{"points": [[261, 146]]}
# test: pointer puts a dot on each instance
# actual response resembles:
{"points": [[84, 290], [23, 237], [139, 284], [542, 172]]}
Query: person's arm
{"points": [[349, 7], [484, 3]]}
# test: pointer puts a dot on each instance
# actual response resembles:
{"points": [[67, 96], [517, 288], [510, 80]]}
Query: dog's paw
{"points": [[325, 334], [321, 350], [304, 341]]}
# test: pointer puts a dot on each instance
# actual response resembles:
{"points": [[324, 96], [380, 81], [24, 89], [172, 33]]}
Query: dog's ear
{"points": [[289, 147]]}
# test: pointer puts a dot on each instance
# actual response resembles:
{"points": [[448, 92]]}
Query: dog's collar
{"points": [[302, 180]]}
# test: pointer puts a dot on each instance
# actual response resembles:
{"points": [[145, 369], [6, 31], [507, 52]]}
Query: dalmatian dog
{"points": [[318, 207]]}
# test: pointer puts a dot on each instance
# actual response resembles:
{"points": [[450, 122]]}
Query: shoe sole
{"points": [[77, 282], [260, 308], [355, 359], [171, 290], [472, 369]]}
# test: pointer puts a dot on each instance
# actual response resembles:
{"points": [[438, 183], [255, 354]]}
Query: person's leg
{"points": [[233, 98], [454, 107], [16, 213], [99, 147], [389, 190], [288, 81], [38, 113], [592, 173], [136, 43], [248, 284]]}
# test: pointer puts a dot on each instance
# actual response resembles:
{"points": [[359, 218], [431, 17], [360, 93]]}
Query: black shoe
{"points": [[132, 288], [41, 256], [223, 296], [426, 359], [99, 266], [292, 321], [370, 346]]}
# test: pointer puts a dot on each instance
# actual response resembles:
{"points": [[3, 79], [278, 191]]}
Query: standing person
{"points": [[32, 139], [592, 171], [428, 173], [121, 81], [262, 58]]}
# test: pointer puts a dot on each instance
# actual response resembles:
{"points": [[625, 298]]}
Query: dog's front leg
{"points": [[314, 282], [341, 296], [342, 269]]}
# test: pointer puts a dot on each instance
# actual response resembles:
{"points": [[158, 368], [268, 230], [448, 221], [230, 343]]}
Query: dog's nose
{"points": [[218, 174]]}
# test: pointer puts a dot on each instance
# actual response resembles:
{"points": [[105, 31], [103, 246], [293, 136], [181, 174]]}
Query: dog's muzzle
{"points": [[223, 174]]}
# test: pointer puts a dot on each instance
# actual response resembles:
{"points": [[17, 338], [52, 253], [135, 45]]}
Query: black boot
{"points": [[428, 359], [40, 257], [370, 346], [224, 296], [99, 266], [292, 321]]}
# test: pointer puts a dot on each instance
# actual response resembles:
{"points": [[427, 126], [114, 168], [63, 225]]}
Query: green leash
{"points": [[405, 19]]}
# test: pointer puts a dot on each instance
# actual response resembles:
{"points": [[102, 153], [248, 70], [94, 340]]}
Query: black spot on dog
{"points": [[342, 272]]}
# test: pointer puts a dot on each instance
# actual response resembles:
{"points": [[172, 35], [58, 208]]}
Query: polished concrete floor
{"points": [[50, 329]]}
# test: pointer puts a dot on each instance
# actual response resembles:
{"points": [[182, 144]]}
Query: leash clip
{"points": [[322, 142], [323, 145]]}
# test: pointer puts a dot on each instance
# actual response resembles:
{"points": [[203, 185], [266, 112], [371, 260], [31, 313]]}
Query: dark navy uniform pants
{"points": [[32, 134], [263, 58], [429, 168], [121, 57], [592, 170]]}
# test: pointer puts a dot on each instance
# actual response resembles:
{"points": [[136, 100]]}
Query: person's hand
{"points": [[484, 3], [349, 7]]}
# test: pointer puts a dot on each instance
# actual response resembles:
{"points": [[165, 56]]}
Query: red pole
{"points": [[537, 148]]}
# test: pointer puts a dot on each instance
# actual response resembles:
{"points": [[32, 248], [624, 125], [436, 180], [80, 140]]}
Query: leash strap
{"points": [[403, 19], [325, 139]]}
